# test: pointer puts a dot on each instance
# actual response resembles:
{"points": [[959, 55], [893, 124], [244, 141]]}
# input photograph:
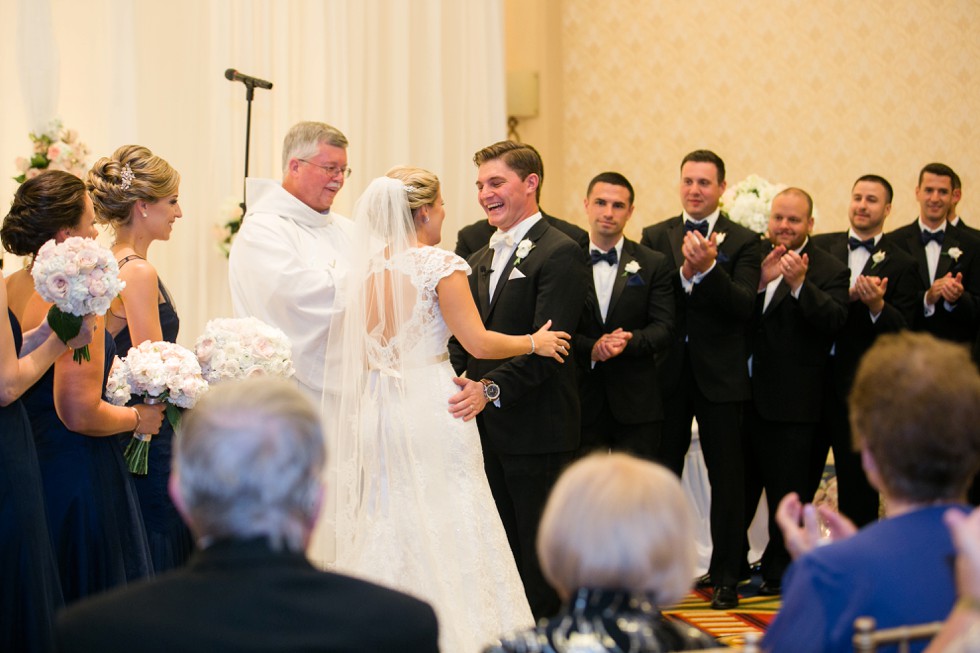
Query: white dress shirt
{"points": [[503, 251]]}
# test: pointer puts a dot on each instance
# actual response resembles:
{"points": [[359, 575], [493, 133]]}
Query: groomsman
{"points": [[947, 259], [474, 236], [716, 271], [884, 293], [800, 307], [625, 327], [530, 422]]}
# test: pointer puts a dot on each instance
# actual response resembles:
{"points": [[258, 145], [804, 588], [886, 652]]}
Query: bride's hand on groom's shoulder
{"points": [[551, 344]]}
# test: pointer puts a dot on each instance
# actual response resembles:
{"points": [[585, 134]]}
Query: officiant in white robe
{"points": [[288, 261]]}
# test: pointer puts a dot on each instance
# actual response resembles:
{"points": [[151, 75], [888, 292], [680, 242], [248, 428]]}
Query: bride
{"points": [[414, 509]]}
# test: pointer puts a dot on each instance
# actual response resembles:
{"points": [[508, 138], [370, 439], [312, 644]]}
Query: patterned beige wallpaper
{"points": [[812, 94]]}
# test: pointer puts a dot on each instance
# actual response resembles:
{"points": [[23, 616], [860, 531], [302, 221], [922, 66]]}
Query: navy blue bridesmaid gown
{"points": [[92, 510], [30, 592], [170, 541]]}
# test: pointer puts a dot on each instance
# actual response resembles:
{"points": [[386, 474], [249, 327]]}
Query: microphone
{"points": [[233, 75], [485, 271]]}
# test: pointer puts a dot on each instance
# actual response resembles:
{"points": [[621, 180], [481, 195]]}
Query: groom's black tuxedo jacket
{"points": [[244, 596], [714, 317], [474, 236], [902, 297], [539, 403], [791, 340], [642, 303], [960, 324]]}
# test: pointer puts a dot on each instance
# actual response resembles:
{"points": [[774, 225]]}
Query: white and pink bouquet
{"points": [[236, 348], [55, 148], [80, 277], [157, 372]]}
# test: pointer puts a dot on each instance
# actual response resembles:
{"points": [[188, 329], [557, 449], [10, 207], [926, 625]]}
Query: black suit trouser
{"points": [[778, 456], [606, 433], [720, 433], [520, 485]]}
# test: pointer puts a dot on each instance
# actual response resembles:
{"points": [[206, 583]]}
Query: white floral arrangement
{"points": [[55, 148], [523, 249], [157, 372], [236, 348], [748, 202], [231, 210], [80, 277]]}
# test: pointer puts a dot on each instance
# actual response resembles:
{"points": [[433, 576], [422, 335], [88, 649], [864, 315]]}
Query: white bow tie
{"points": [[501, 238]]}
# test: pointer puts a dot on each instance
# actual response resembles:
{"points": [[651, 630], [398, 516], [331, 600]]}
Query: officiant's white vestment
{"points": [[286, 268]]}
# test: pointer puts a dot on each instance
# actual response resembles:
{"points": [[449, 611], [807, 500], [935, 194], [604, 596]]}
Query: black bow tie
{"points": [[609, 257], [854, 243], [690, 225], [938, 236]]}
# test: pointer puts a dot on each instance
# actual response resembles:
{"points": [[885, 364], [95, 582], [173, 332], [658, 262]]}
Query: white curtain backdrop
{"points": [[408, 81]]}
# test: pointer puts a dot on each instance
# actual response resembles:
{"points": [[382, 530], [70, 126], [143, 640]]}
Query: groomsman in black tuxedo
{"points": [[704, 375], [625, 327], [801, 305], [475, 236], [883, 296], [527, 406], [947, 259], [953, 217]]}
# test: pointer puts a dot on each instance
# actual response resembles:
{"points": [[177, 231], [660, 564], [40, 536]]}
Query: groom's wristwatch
{"points": [[490, 390]]}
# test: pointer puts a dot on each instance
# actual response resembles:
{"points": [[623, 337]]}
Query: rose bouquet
{"points": [[54, 149], [79, 277], [235, 348], [157, 372]]}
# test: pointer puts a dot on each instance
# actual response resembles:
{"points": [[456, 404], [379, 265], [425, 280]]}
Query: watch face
{"points": [[492, 391]]}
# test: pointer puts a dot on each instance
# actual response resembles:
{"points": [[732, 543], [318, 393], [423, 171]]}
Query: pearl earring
{"points": [[144, 214], [425, 219]]}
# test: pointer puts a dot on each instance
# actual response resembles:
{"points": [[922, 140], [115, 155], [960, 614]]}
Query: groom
{"points": [[528, 405]]}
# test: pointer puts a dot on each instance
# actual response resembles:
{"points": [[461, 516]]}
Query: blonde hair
{"points": [[615, 521], [423, 185], [148, 178]]}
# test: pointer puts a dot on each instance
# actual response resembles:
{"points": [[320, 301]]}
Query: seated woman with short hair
{"points": [[616, 541]]}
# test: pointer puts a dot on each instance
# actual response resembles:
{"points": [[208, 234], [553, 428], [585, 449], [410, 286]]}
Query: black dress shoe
{"points": [[724, 598], [701, 582], [770, 588]]}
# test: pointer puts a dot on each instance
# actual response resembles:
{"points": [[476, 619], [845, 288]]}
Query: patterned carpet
{"points": [[753, 614]]}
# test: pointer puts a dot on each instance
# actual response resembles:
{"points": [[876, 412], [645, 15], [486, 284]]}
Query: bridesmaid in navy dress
{"points": [[135, 192], [30, 592], [92, 511]]}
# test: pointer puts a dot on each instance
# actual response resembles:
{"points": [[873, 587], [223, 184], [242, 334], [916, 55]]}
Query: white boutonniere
{"points": [[719, 238], [523, 249], [877, 258], [631, 268], [955, 253]]}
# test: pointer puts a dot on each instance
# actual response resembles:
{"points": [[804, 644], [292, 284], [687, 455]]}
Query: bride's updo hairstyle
{"points": [[422, 185], [42, 206], [132, 173]]}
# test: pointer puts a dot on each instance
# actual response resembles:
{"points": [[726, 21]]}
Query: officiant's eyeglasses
{"points": [[332, 171]]}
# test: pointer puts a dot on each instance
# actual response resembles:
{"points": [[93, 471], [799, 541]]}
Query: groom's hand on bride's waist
{"points": [[469, 401]]}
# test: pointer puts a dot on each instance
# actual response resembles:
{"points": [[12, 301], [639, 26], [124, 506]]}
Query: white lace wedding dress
{"points": [[415, 510]]}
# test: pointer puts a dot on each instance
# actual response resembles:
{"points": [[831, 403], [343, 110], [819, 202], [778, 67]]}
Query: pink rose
{"points": [[57, 286], [54, 151], [97, 287], [33, 172]]}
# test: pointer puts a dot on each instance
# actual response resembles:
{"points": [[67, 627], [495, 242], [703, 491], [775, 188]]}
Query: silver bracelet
{"points": [[531, 338]]}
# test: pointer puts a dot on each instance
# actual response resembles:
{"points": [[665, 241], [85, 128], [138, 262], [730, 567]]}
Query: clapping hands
{"points": [[802, 525]]}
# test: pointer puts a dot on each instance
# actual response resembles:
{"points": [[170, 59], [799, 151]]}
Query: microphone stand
{"points": [[249, 95]]}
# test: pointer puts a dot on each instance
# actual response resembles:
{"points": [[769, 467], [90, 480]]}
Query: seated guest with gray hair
{"points": [[246, 478], [617, 541]]}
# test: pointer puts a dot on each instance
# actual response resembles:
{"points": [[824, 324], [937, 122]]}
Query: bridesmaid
{"points": [[135, 192], [31, 592], [92, 511]]}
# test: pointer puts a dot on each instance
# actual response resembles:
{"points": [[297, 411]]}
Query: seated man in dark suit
{"points": [[472, 238], [625, 327], [246, 478], [914, 410]]}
